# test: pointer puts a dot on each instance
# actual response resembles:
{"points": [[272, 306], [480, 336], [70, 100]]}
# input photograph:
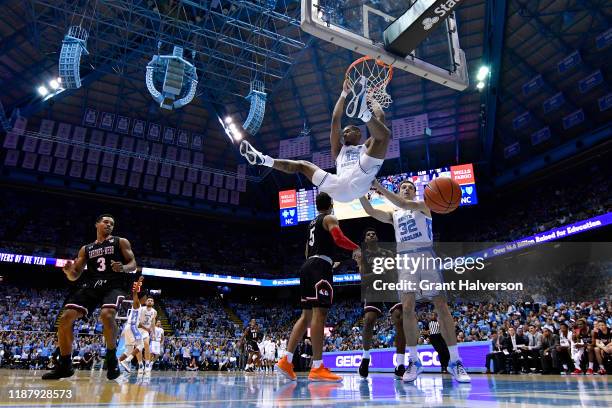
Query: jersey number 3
{"points": [[101, 264]]}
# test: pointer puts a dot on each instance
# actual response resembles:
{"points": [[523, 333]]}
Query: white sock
{"points": [[565, 367], [268, 161], [400, 359], [289, 357], [414, 355], [591, 365], [366, 354], [454, 355], [317, 363]]}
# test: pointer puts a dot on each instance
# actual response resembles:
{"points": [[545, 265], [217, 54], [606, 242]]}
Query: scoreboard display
{"points": [[297, 206]]}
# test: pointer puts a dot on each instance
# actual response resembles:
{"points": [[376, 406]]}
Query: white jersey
{"points": [[269, 347], [133, 317], [147, 316], [412, 226], [157, 335], [348, 158]]}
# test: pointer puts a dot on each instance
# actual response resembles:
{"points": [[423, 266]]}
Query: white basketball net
{"points": [[378, 75]]}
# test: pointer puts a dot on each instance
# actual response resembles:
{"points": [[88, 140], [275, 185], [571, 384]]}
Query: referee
{"points": [[437, 341]]}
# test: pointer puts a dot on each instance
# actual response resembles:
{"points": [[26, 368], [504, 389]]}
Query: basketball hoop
{"points": [[377, 73]]}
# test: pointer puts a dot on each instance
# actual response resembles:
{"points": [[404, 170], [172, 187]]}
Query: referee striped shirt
{"points": [[434, 327]]}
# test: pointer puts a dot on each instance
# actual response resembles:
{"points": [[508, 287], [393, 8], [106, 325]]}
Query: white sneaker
{"points": [[126, 366], [412, 371], [253, 156], [456, 369]]}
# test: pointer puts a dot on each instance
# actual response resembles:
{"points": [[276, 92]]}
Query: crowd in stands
{"points": [[205, 338]]}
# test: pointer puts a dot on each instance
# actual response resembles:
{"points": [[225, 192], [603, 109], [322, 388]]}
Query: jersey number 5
{"points": [[311, 240]]}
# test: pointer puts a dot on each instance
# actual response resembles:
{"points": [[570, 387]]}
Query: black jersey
{"points": [[320, 241], [603, 337], [252, 335], [100, 256]]}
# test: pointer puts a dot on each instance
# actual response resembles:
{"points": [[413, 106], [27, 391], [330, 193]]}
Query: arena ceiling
{"points": [[236, 41]]}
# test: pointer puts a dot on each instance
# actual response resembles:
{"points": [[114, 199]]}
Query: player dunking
{"points": [[316, 289], [148, 316], [373, 310], [251, 337], [356, 164], [412, 224], [103, 285]]}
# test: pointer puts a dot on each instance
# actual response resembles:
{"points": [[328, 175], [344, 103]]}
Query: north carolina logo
{"points": [[429, 22]]}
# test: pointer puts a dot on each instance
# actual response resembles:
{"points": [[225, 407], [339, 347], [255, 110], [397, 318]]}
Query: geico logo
{"points": [[429, 358], [349, 361]]}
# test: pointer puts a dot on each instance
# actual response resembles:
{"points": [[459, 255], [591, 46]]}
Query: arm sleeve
{"points": [[341, 240]]}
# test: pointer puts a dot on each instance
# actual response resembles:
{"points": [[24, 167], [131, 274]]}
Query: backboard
{"points": [[358, 25]]}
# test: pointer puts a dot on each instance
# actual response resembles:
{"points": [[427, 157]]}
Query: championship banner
{"points": [[196, 142], [90, 118], [107, 121], [123, 125], [183, 138], [138, 130], [168, 135], [154, 132]]}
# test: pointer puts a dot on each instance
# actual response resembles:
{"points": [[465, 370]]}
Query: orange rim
{"points": [[378, 62]]}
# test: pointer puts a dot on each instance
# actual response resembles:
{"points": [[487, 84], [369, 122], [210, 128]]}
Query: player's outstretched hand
{"points": [[346, 86], [357, 255], [136, 286], [117, 266], [69, 269]]}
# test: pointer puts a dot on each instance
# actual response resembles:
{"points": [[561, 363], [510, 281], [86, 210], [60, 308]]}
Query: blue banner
{"points": [[590, 82], [553, 103], [512, 150], [604, 39], [569, 62], [573, 119], [473, 356], [533, 85], [540, 136], [605, 102], [468, 194], [521, 120], [288, 217]]}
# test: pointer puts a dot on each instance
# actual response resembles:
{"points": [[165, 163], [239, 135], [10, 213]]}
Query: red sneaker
{"points": [[323, 374], [602, 371], [577, 372], [589, 371], [286, 368]]}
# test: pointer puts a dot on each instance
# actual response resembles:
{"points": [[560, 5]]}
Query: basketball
{"points": [[442, 195]]}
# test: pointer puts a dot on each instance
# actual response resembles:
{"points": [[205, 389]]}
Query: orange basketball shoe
{"points": [[323, 374], [286, 368]]}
